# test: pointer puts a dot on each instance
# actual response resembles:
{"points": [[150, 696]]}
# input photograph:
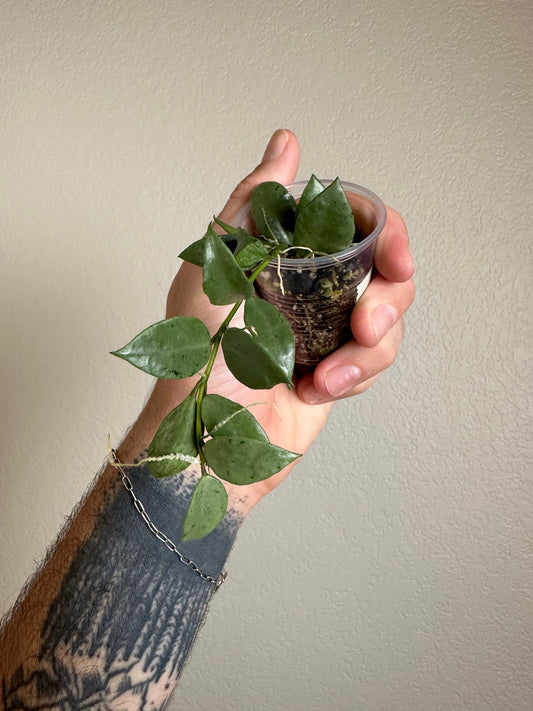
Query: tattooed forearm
{"points": [[127, 612]]}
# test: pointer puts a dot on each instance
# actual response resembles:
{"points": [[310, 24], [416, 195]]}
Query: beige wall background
{"points": [[394, 570]]}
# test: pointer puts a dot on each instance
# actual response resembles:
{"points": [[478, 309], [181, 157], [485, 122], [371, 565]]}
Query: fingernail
{"points": [[276, 145], [383, 318], [340, 380]]}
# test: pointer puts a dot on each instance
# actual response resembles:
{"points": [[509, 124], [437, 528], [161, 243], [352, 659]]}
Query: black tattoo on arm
{"points": [[128, 611]]}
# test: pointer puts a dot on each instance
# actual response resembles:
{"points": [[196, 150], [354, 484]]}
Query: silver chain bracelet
{"points": [[217, 582]]}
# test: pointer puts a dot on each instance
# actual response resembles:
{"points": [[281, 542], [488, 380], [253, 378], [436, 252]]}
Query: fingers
{"points": [[392, 257], [279, 163], [376, 324], [351, 369], [379, 308]]}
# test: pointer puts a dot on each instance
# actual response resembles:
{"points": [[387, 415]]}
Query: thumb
{"points": [[279, 162]]}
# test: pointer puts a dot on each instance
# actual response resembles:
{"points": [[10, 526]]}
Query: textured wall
{"points": [[394, 569]]}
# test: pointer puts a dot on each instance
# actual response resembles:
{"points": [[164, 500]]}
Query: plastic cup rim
{"points": [[350, 252]]}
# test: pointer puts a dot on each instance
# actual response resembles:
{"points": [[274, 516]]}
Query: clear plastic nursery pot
{"points": [[316, 295]]}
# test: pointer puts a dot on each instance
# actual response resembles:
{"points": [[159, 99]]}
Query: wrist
{"points": [[165, 396], [158, 508], [172, 494]]}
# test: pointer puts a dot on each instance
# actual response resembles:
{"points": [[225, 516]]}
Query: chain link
{"points": [[126, 481]]}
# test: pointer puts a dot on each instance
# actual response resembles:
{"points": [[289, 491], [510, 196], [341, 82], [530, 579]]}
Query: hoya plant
{"points": [[222, 436]]}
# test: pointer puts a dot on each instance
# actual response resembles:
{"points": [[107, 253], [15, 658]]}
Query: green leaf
{"points": [[326, 224], [313, 188], [247, 249], [224, 281], [229, 228], [206, 510], [272, 331], [240, 460], [174, 348], [252, 253], [273, 210], [176, 435], [223, 417], [194, 253], [264, 356]]}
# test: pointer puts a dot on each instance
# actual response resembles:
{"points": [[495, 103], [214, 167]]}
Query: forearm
{"points": [[113, 613]]}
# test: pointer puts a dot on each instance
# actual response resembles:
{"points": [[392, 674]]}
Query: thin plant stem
{"points": [[215, 344]]}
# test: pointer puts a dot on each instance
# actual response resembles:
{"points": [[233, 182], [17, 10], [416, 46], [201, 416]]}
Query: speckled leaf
{"points": [[174, 348], [206, 510], [252, 253], [176, 434], [223, 417], [264, 356], [230, 229], [240, 460], [273, 210], [326, 224], [313, 188], [247, 249], [237, 240], [194, 253], [224, 281], [272, 331]]}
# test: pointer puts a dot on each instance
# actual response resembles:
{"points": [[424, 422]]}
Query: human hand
{"points": [[293, 418], [376, 323]]}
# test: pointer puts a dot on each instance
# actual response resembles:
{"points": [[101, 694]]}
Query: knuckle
{"points": [[388, 348], [245, 187], [363, 387], [398, 219], [411, 291]]}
